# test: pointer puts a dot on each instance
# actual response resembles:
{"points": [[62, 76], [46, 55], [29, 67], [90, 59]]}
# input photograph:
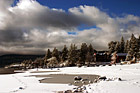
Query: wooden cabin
{"points": [[121, 57]]}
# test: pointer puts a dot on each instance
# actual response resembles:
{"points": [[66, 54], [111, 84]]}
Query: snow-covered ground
{"points": [[130, 75]]}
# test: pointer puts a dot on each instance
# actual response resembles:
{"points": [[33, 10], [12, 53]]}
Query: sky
{"points": [[33, 26], [113, 7]]}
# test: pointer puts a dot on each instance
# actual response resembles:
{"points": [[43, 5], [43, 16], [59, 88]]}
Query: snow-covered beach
{"points": [[25, 83]]}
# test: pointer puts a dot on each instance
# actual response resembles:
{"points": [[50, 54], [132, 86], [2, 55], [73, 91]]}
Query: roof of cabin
{"points": [[121, 54]]}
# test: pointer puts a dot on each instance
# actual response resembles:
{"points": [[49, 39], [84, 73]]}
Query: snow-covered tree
{"points": [[55, 53], [48, 55], [111, 46]]}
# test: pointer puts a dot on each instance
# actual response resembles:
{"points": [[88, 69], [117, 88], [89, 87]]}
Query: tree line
{"points": [[72, 55], [132, 46]]}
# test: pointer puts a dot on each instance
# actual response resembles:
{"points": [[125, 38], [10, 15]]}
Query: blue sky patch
{"points": [[83, 27], [72, 33]]}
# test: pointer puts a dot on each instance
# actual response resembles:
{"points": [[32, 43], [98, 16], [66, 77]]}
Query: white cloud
{"points": [[30, 27]]}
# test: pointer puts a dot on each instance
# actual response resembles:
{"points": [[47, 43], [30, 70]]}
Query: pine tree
{"points": [[139, 47], [127, 46], [122, 45], [91, 51], [64, 53], [48, 54], [111, 46], [117, 47], [83, 52], [38, 62], [134, 45], [129, 56], [88, 57], [139, 43], [55, 53], [72, 54]]}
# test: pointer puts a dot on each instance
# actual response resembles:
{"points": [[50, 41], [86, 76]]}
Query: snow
{"points": [[25, 83], [9, 83]]}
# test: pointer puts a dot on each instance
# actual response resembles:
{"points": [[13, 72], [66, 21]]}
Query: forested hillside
{"points": [[15, 58]]}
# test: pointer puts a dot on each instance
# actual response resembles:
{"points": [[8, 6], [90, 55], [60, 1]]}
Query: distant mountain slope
{"points": [[16, 58]]}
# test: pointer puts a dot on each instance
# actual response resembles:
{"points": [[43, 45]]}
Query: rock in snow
{"points": [[102, 78], [77, 78]]}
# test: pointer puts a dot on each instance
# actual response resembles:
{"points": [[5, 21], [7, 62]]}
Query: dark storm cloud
{"points": [[11, 35]]}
